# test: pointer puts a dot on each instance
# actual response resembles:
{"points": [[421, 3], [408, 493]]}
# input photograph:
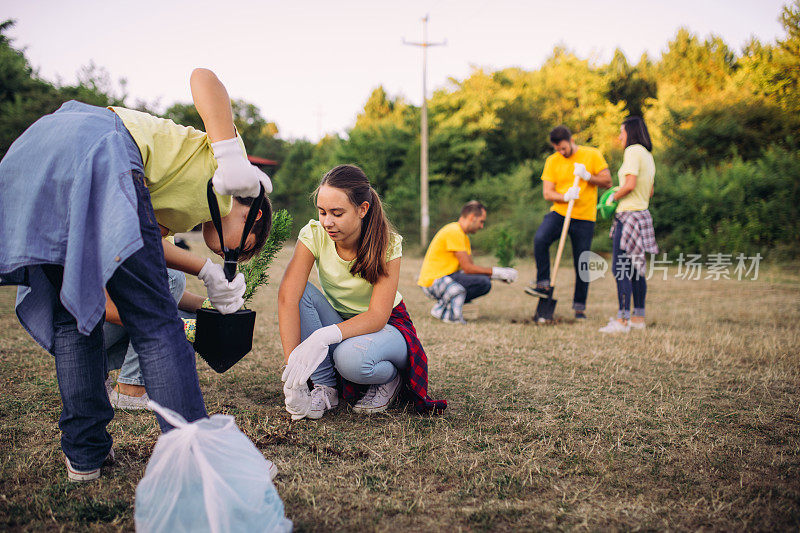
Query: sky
{"points": [[310, 65]]}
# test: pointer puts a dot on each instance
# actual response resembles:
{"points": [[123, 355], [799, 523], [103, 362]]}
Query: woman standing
{"points": [[357, 325], [632, 230], [86, 195]]}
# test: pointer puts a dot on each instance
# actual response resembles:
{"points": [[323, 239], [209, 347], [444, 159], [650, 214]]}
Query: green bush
{"points": [[740, 206]]}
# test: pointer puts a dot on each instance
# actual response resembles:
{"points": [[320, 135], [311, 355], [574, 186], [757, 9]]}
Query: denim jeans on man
{"points": [[139, 289], [580, 235], [475, 284], [629, 281], [371, 359], [119, 351]]}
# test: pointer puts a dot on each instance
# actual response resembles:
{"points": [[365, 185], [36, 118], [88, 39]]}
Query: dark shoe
{"points": [[539, 292], [580, 315]]}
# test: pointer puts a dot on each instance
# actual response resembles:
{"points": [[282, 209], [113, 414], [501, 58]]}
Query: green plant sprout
{"points": [[256, 270], [504, 248]]}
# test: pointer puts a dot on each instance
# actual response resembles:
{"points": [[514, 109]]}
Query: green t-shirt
{"points": [[639, 162], [348, 294], [178, 162]]}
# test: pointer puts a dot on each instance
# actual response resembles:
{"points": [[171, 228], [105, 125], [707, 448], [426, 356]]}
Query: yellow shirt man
{"points": [[440, 259], [448, 274], [559, 171], [558, 176]]}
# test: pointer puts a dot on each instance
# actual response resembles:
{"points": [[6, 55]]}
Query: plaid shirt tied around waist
{"points": [[638, 235], [415, 376], [450, 296]]}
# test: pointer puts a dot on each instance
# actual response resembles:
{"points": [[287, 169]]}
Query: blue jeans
{"points": [[475, 284], [139, 289], [371, 359], [580, 235], [119, 351], [629, 282]]}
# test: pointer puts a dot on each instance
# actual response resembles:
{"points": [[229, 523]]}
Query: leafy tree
{"points": [[774, 71], [381, 141], [24, 97], [693, 68], [185, 115], [628, 85], [294, 181], [381, 150], [380, 109], [259, 135], [709, 135]]}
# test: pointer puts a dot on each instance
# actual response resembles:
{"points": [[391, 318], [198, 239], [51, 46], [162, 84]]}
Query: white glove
{"points": [[581, 172], [297, 400], [235, 175], [573, 193], [225, 296], [509, 275], [309, 354]]}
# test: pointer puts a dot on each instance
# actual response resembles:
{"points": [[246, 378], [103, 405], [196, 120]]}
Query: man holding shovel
{"points": [[572, 173]]}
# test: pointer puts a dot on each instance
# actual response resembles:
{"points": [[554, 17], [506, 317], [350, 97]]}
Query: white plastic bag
{"points": [[207, 476]]}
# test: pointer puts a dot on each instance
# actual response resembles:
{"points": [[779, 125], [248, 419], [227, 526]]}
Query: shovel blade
{"points": [[545, 309]]}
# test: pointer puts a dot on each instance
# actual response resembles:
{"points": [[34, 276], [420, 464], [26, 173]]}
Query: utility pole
{"points": [[423, 156]]}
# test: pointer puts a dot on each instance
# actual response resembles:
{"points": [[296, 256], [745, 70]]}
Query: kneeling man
{"points": [[448, 274]]}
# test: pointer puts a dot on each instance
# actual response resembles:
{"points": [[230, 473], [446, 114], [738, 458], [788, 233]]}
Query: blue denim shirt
{"points": [[67, 198]]}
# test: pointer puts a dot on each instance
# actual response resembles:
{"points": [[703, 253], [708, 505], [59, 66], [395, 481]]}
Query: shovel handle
{"points": [[563, 239]]}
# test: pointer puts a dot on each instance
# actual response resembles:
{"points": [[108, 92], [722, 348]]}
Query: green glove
{"points": [[607, 205]]}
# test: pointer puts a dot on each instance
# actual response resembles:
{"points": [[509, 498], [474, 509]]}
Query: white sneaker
{"points": [[87, 475], [298, 401], [614, 326], [379, 397], [323, 398], [123, 401], [637, 325], [272, 469]]}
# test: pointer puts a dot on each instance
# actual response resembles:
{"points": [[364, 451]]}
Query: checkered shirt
{"points": [[638, 235]]}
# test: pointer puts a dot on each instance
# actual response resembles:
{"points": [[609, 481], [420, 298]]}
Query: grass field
{"points": [[692, 424]]}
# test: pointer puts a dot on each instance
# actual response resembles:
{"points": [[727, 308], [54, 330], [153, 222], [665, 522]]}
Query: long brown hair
{"points": [[370, 261]]}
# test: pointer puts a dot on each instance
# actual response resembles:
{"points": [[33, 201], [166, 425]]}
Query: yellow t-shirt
{"points": [[558, 169], [440, 259], [639, 162], [178, 162], [348, 294]]}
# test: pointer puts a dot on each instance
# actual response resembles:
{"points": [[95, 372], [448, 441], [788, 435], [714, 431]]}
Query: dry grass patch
{"points": [[692, 424]]}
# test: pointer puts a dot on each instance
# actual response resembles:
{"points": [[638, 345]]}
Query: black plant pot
{"points": [[222, 340]]}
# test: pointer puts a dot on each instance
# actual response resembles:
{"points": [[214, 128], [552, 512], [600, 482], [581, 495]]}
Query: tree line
{"points": [[724, 125]]}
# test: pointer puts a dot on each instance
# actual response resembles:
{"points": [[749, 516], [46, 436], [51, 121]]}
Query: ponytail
{"points": [[370, 261]]}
